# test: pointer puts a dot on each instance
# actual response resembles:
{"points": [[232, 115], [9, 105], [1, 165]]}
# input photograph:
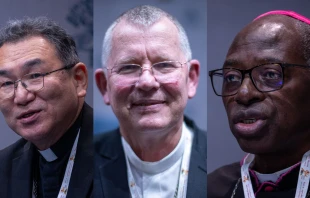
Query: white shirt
{"points": [[157, 179], [272, 176]]}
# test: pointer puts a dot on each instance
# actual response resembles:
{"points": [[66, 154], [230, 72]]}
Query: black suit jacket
{"points": [[110, 179], [16, 165]]}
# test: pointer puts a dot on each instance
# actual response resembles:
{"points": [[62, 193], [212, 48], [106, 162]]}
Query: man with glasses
{"points": [[147, 78], [264, 84], [42, 90]]}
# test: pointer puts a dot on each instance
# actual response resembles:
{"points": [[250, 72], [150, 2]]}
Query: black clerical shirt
{"points": [[49, 174]]}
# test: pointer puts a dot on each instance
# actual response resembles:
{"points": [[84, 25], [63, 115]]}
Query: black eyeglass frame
{"points": [[67, 67], [249, 71]]}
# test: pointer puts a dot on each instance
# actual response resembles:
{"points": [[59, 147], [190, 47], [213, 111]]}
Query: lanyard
{"points": [[183, 176], [65, 182], [303, 178]]}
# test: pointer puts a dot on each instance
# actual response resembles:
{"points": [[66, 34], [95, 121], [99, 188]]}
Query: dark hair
{"points": [[17, 30]]}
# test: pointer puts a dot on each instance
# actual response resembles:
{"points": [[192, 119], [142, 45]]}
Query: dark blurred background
{"points": [[225, 19]]}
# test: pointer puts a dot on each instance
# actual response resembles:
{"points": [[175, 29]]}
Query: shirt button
{"points": [[269, 189]]}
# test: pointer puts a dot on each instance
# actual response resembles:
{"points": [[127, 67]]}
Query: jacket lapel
{"points": [[21, 181], [197, 178], [112, 169], [82, 174]]}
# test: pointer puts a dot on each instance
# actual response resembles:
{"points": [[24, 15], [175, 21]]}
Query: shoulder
{"points": [[200, 136], [9, 153], [87, 117], [105, 137], [191, 124], [222, 180], [107, 143]]}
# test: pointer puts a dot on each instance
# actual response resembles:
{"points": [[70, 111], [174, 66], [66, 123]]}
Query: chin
{"points": [[33, 133], [255, 146]]}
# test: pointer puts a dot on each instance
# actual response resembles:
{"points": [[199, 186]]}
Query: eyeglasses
{"points": [[31, 82], [129, 74], [266, 78]]}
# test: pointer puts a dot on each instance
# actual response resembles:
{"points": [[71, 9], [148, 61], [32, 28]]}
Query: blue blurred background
{"points": [[75, 16]]}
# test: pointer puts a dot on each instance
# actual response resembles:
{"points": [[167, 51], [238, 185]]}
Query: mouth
{"points": [[250, 127], [147, 105], [28, 116], [248, 121]]}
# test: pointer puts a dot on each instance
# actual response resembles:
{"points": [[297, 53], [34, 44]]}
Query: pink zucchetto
{"points": [[287, 13]]}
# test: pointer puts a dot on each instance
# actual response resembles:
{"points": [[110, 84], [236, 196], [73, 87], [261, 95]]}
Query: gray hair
{"points": [[146, 16], [17, 30]]}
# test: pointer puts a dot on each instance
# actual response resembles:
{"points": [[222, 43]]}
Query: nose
{"points": [[22, 95], [147, 80], [248, 94]]}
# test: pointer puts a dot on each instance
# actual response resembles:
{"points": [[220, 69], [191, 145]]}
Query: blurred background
{"points": [[75, 16], [191, 14], [225, 19]]}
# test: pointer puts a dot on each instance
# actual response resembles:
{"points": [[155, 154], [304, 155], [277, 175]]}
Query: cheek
{"points": [[228, 102], [58, 96], [6, 108], [118, 95]]}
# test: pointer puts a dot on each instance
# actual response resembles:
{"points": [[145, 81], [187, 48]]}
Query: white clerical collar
{"points": [[161, 165], [48, 155], [272, 176]]}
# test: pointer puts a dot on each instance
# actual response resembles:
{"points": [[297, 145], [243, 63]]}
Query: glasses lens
{"points": [[167, 72], [6, 88], [226, 81], [125, 74], [33, 82], [268, 77], [129, 74]]}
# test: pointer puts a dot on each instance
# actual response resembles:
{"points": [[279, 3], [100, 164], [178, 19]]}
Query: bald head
{"points": [[276, 31]]}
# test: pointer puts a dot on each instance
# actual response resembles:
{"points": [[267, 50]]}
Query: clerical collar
{"points": [[48, 155], [273, 176], [161, 165], [64, 144]]}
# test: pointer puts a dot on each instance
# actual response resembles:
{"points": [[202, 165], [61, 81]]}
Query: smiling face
{"points": [[148, 105], [274, 121], [49, 112]]}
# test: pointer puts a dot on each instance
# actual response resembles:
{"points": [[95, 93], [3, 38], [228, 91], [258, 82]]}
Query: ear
{"points": [[193, 77], [101, 82], [81, 78]]}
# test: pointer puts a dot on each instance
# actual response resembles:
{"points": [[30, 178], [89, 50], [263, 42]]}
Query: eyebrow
{"points": [[232, 62], [32, 63], [28, 64]]}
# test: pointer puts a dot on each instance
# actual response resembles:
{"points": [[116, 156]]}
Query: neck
{"points": [[270, 163], [154, 146]]}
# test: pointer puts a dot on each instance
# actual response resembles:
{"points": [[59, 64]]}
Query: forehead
{"points": [[31, 51], [270, 39], [158, 41]]}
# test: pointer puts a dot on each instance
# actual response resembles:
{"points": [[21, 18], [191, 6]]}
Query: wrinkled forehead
{"points": [[269, 30], [157, 41], [275, 35]]}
